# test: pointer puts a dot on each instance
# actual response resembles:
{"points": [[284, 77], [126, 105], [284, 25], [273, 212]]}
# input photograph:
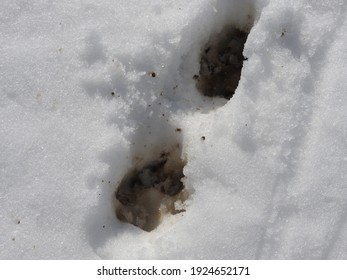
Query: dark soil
{"points": [[221, 63]]}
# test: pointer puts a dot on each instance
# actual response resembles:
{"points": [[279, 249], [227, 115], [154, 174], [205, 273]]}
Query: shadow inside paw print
{"points": [[94, 49]]}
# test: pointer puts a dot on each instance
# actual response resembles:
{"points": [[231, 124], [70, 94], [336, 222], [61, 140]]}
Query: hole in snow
{"points": [[152, 190], [221, 62]]}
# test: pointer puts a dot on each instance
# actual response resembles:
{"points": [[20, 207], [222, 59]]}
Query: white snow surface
{"points": [[268, 182]]}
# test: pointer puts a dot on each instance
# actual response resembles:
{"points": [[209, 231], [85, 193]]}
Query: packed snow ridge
{"points": [[173, 130]]}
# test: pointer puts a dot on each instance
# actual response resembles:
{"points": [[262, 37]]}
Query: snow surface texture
{"points": [[269, 180]]}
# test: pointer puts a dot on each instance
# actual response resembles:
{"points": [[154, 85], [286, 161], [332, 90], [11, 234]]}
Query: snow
{"points": [[269, 180]]}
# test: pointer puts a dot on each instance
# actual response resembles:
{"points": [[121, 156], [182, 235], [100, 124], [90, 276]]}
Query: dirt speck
{"points": [[152, 74]]}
